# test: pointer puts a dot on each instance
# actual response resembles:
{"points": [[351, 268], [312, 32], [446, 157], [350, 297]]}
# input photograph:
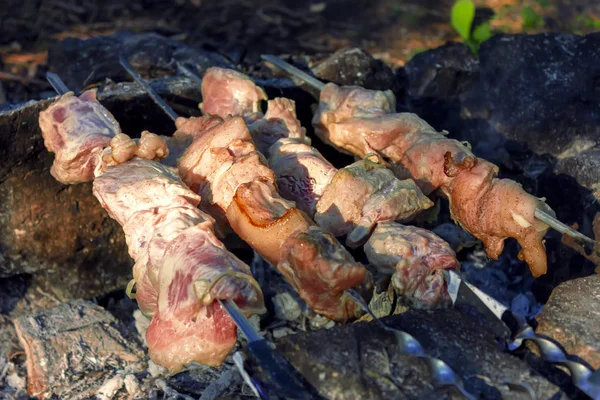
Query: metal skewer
{"points": [[187, 72], [57, 84], [315, 83], [442, 374], [157, 99]]}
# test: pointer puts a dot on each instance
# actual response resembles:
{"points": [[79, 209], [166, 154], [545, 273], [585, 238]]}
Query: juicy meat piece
{"points": [[189, 324], [224, 166], [343, 102], [416, 258], [227, 92], [302, 172], [490, 209], [76, 129], [180, 266], [310, 259], [218, 161], [364, 194], [279, 122], [504, 210], [141, 185]]}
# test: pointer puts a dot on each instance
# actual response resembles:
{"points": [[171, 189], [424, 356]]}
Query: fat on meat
{"points": [[415, 257], [228, 92], [76, 129], [224, 166], [489, 208]]}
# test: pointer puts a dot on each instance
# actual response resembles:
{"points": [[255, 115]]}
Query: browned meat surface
{"points": [[310, 259], [504, 210], [227, 92], [479, 202], [224, 166], [279, 122], [416, 258], [76, 129]]}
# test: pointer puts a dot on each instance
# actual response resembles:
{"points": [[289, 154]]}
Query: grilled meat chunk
{"points": [[76, 129], [302, 172], [224, 166], [227, 92], [180, 266], [479, 202], [364, 194], [415, 257], [278, 123]]}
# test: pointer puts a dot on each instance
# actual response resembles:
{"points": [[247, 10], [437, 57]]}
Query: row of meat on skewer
{"points": [[237, 170]]}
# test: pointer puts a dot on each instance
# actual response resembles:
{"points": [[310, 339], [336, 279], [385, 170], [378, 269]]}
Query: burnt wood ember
{"points": [[73, 348], [361, 360]]}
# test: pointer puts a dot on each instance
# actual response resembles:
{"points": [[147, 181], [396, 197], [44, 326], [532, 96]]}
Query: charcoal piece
{"points": [[547, 95], [354, 66], [584, 167], [572, 318], [444, 72], [362, 360], [82, 62], [63, 230], [73, 348]]}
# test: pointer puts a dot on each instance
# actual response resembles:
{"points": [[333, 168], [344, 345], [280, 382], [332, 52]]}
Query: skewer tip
{"points": [[290, 69], [157, 99]]}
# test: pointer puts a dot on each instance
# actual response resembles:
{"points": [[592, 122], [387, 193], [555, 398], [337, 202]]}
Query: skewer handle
{"points": [[157, 99]]}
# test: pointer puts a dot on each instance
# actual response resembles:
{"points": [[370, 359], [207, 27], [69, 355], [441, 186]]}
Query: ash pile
{"points": [[71, 329]]}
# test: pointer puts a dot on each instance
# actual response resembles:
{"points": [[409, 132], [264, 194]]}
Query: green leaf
{"points": [[543, 3], [462, 16], [531, 19], [482, 33]]}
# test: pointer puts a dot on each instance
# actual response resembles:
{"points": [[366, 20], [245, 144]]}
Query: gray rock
{"points": [[572, 317], [74, 348], [584, 167], [541, 89], [361, 360], [81, 62]]}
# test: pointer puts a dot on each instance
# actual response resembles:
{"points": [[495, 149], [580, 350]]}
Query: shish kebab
{"points": [[181, 268], [442, 374], [357, 200], [359, 121], [282, 380], [237, 187]]}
